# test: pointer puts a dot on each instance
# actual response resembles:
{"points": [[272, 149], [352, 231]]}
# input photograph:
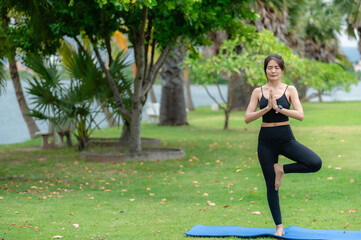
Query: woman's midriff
{"points": [[264, 124]]}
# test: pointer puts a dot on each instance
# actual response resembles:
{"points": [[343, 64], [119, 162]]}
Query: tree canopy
{"points": [[320, 76]]}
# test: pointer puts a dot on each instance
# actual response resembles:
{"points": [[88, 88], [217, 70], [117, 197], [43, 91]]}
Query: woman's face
{"points": [[273, 71]]}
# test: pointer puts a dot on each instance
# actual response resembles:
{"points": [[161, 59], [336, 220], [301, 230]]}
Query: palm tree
{"points": [[352, 9], [172, 105]]}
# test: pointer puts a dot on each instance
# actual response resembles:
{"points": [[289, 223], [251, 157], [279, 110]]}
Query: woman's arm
{"points": [[251, 113], [297, 112]]}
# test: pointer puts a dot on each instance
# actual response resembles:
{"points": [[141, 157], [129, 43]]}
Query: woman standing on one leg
{"points": [[276, 137]]}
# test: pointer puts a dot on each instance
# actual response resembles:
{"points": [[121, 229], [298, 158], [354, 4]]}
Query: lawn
{"points": [[45, 193]]}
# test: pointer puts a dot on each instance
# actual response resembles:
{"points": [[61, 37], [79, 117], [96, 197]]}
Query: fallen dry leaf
{"points": [[76, 225], [352, 210], [330, 178], [132, 200], [256, 212], [57, 237], [351, 180], [210, 203], [205, 195]]}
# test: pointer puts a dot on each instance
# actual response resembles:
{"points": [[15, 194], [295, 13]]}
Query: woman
{"points": [[276, 136]]}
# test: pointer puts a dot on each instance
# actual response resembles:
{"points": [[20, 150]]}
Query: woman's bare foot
{"points": [[279, 173], [279, 230]]}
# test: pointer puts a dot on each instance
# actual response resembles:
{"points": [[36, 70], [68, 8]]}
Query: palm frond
{"points": [[65, 51], [46, 69]]}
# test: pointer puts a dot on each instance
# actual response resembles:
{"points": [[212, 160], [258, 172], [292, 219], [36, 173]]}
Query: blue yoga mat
{"points": [[294, 233]]}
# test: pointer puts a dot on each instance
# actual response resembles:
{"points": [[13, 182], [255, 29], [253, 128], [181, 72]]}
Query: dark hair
{"points": [[277, 58]]}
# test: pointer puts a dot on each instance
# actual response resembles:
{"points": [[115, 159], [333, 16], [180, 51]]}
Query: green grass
{"points": [[43, 193]]}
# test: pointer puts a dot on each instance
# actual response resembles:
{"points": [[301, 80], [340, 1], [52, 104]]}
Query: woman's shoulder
{"points": [[256, 93], [291, 88], [257, 90]]}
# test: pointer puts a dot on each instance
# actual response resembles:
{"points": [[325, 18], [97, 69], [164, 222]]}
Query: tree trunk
{"points": [[172, 105], [83, 143], [125, 137], [301, 88], [319, 95], [135, 126], [152, 96], [189, 102], [111, 82], [32, 127], [135, 146], [240, 90], [226, 113]]}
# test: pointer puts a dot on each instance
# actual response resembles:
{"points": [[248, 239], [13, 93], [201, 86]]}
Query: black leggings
{"points": [[273, 141]]}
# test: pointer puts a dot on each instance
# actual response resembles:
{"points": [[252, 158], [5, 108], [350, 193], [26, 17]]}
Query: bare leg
{"points": [[279, 230], [279, 173]]}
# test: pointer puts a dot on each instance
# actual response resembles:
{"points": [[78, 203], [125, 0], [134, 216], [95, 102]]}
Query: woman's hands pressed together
{"points": [[272, 103]]}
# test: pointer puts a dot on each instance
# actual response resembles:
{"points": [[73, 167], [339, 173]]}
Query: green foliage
{"points": [[321, 76], [190, 19], [24, 27]]}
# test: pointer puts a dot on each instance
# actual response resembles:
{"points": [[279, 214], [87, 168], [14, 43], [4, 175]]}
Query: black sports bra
{"points": [[271, 116]]}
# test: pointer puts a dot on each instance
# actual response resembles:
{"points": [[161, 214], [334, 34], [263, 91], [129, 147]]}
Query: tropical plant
{"points": [[60, 103]]}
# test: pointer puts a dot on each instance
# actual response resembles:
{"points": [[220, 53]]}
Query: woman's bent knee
{"points": [[316, 164]]}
